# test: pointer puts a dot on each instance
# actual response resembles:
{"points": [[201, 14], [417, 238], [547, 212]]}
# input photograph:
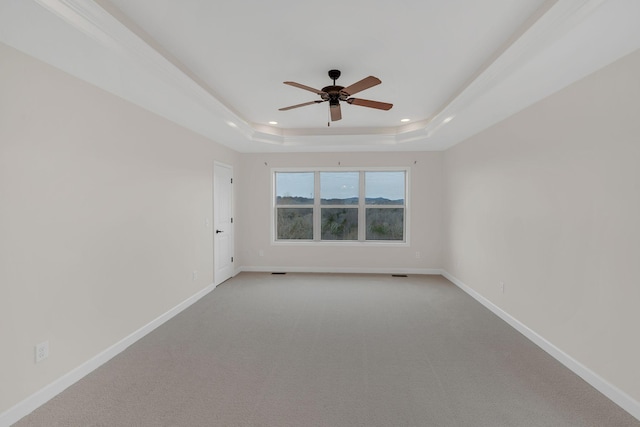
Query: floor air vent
{"points": [[278, 272], [399, 275]]}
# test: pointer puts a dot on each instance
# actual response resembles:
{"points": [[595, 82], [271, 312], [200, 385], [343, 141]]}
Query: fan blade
{"points": [[310, 89], [299, 105], [363, 84], [370, 104], [336, 112]]}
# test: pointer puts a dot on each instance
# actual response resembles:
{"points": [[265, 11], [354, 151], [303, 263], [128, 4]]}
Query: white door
{"points": [[222, 223]]}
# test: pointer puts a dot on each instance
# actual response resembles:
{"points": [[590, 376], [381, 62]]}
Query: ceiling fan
{"points": [[334, 94]]}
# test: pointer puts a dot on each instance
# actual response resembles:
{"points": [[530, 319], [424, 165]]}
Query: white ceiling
{"points": [[218, 67], [244, 50]]}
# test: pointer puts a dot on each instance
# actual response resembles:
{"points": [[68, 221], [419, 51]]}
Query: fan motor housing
{"points": [[334, 92]]}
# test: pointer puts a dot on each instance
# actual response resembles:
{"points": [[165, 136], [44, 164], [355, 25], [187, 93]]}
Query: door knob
{"points": [[218, 231]]}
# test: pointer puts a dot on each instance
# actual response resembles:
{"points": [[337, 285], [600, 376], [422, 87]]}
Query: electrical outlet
{"points": [[195, 274], [261, 253], [418, 255], [42, 351], [502, 287]]}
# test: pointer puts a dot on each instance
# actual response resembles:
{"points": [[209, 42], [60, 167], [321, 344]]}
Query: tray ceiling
{"points": [[452, 68]]}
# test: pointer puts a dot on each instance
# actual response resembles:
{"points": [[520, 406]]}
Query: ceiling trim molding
{"points": [[94, 21], [552, 19]]}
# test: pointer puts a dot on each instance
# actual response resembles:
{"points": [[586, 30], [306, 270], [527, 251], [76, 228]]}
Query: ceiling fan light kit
{"points": [[335, 93]]}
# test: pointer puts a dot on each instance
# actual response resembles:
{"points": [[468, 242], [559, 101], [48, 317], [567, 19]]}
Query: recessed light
{"points": [[405, 120], [273, 123], [233, 125], [448, 119]]}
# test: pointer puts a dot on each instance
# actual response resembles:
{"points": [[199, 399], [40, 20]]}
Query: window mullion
{"points": [[316, 206], [361, 210]]}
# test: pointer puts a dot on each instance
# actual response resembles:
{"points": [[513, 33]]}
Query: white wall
{"points": [[103, 208], [548, 201], [102, 220], [254, 216]]}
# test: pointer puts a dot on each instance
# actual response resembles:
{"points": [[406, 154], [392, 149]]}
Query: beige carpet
{"points": [[309, 350]]}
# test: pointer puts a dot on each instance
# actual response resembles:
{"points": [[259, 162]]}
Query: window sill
{"points": [[335, 243]]}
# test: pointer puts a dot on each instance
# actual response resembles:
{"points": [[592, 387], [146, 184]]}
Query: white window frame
{"points": [[362, 206]]}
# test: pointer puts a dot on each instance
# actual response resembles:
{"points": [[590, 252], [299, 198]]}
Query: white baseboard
{"points": [[42, 396], [615, 394], [356, 270]]}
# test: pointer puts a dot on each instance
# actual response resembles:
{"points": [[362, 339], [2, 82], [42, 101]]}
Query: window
{"points": [[294, 205], [339, 198], [340, 205], [384, 205]]}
